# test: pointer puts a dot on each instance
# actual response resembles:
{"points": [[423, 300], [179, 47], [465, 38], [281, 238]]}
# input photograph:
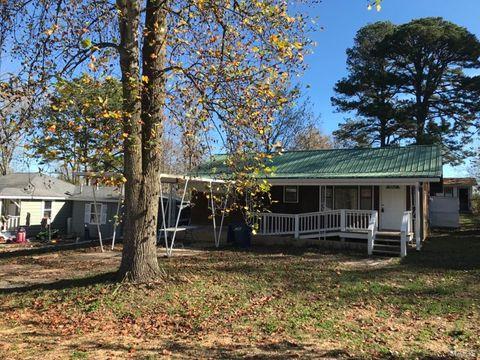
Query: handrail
{"points": [[372, 231], [405, 231]]}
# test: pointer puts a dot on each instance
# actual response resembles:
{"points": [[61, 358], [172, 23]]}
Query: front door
{"points": [[463, 199], [392, 206]]}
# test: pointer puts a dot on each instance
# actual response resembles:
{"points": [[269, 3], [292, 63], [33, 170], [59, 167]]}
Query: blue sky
{"points": [[342, 18]]}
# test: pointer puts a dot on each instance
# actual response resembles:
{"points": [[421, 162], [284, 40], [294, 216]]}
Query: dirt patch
{"points": [[48, 268], [368, 263]]}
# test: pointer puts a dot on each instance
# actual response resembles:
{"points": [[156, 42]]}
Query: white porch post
{"points": [[297, 226], [343, 220], [417, 216], [1, 219], [320, 208]]}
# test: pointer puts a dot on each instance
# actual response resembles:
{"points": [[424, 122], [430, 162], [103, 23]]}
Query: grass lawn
{"points": [[263, 303]]}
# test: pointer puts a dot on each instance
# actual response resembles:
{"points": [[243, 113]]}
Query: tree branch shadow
{"points": [[46, 249], [103, 278]]}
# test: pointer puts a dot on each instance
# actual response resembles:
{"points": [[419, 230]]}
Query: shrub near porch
{"points": [[285, 302]]}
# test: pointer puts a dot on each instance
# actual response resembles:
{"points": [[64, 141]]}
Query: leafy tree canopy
{"points": [[432, 96], [80, 127]]}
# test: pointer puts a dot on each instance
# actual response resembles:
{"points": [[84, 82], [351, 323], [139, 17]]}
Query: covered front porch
{"points": [[384, 214], [10, 214]]}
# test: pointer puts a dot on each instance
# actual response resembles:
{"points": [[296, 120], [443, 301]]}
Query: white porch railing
{"points": [[317, 222], [12, 223], [406, 231], [275, 224]]}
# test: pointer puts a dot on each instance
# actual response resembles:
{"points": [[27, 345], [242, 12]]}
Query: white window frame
{"points": [[51, 208], [284, 192], [102, 215]]}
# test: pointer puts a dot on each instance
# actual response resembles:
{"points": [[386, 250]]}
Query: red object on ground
{"points": [[21, 236]]}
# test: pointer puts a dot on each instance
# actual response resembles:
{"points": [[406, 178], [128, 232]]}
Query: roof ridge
{"points": [[349, 149]]}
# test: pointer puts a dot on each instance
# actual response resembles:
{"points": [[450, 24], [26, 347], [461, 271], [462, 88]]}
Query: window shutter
{"points": [[103, 218], [88, 208]]}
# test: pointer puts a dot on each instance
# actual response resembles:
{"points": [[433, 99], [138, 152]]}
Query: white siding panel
{"points": [[34, 208]]}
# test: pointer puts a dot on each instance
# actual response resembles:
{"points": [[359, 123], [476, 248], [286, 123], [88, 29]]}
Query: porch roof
{"points": [[393, 162]]}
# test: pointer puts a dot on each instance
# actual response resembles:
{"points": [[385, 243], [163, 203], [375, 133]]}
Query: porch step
{"points": [[387, 247], [388, 235], [393, 241]]}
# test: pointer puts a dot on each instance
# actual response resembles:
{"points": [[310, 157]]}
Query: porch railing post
{"points": [[297, 226], [417, 216], [343, 220]]}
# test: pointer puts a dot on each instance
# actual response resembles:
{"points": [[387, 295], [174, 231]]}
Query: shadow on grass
{"points": [[293, 250], [189, 348], [282, 350], [103, 278], [459, 250], [46, 249]]}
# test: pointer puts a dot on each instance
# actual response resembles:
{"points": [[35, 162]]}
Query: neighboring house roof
{"points": [[390, 162], [40, 186], [34, 185], [459, 181], [102, 193]]}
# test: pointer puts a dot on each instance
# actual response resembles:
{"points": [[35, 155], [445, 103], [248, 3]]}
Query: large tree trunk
{"points": [[143, 124]]}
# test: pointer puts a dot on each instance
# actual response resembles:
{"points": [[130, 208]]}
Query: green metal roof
{"points": [[391, 162]]}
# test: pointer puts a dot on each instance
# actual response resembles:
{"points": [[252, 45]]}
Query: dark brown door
{"points": [[463, 199]]}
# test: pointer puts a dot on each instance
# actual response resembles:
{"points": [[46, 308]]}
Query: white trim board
{"points": [[9, 197], [369, 181]]}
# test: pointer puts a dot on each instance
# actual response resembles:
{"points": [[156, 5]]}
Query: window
{"points": [[346, 197], [366, 198], [328, 197], [47, 209], [448, 191], [290, 194], [91, 213]]}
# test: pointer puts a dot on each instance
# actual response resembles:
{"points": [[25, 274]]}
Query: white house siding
{"points": [[31, 214]]}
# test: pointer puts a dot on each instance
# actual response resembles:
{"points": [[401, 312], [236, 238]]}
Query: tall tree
{"points": [[79, 128], [423, 69], [292, 118], [370, 91], [311, 138], [431, 58], [222, 61]]}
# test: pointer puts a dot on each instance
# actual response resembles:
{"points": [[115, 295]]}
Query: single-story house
{"points": [[461, 188], [27, 198], [344, 192]]}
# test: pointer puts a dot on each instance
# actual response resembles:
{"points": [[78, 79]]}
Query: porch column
{"points": [[1, 209], [417, 216], [320, 199]]}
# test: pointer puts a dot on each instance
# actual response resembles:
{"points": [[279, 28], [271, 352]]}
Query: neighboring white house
{"points": [[27, 198], [460, 188]]}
